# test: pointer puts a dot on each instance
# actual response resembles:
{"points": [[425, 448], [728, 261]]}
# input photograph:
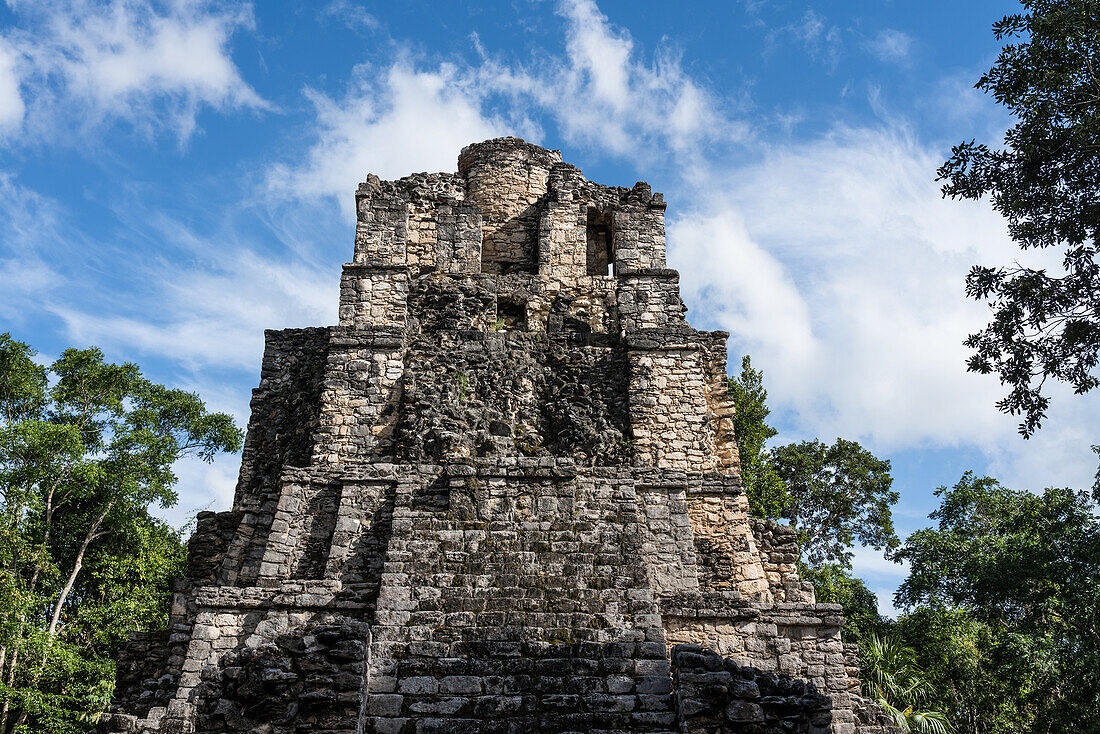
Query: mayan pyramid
{"points": [[501, 495]]}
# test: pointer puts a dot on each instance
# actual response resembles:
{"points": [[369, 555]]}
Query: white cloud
{"points": [[1059, 454], [215, 317], [413, 116], [405, 120], [604, 93], [820, 39], [152, 64], [11, 101], [201, 486], [351, 15], [839, 267], [891, 45]]}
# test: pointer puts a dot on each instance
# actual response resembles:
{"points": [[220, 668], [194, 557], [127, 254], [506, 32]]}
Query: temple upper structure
{"points": [[501, 494]]}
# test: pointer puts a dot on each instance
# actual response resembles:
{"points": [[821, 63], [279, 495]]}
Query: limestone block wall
{"points": [[301, 533], [381, 229], [720, 405], [718, 696], [360, 536], [447, 302], [358, 402], [208, 546], [799, 641], [667, 540], [372, 295], [500, 393], [778, 549], [146, 674], [668, 406], [305, 676], [236, 638], [650, 299], [526, 625], [639, 231], [587, 304], [563, 240], [286, 412], [458, 228], [729, 559]]}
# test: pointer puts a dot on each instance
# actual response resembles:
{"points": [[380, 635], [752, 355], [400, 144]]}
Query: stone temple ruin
{"points": [[501, 495]]}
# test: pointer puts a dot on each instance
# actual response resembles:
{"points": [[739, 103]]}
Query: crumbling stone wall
{"points": [[495, 497], [717, 696], [778, 546]]}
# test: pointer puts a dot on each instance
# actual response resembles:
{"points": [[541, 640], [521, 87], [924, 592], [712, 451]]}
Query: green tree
{"points": [[766, 491], [959, 656], [832, 495], [890, 674], [834, 584], [1046, 182], [836, 495], [1022, 571], [86, 448]]}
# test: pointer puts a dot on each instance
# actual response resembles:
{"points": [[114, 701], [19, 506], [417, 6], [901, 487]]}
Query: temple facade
{"points": [[502, 494]]}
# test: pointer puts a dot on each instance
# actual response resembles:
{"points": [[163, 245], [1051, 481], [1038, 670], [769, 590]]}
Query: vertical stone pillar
{"points": [[667, 401], [381, 227], [373, 295]]}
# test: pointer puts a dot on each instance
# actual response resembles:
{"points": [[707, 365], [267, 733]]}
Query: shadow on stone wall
{"points": [[717, 696], [308, 681]]}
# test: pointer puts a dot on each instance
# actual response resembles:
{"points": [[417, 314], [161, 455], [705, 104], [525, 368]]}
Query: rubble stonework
{"points": [[502, 494]]}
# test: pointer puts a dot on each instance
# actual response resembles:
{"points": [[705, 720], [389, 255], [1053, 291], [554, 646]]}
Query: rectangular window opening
{"points": [[511, 315], [601, 255]]}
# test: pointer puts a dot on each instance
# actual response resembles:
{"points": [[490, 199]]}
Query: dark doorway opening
{"points": [[511, 315], [601, 255]]}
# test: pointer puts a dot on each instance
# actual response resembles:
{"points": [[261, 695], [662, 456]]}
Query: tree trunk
{"points": [[4, 706], [77, 564], [9, 682], [62, 597]]}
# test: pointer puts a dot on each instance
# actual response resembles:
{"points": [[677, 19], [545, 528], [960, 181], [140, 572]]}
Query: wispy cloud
{"points": [[11, 99], [820, 38], [27, 222], [871, 258], [604, 92], [891, 45], [352, 15], [390, 123], [153, 65]]}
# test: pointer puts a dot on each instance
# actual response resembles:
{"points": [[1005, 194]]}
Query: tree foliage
{"points": [[959, 657], [835, 584], [1011, 581], [834, 496], [892, 677], [1046, 182], [765, 490], [86, 448]]}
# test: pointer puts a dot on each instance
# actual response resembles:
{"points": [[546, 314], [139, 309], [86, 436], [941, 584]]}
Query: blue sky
{"points": [[177, 176]]}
